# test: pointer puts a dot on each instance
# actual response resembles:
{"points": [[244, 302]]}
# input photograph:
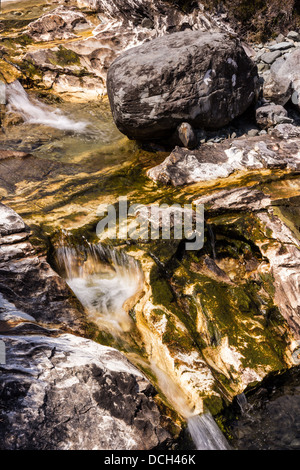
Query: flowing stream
{"points": [[103, 279], [34, 111]]}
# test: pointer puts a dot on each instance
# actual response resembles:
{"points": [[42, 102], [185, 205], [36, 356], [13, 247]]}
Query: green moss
{"points": [[64, 57], [214, 404]]}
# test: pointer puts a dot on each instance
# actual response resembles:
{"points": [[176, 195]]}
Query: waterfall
{"points": [[242, 402], [35, 112], [102, 279], [206, 434]]}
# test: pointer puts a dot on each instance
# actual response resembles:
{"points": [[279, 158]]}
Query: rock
{"points": [[286, 131], [60, 391], [294, 36], [253, 132], [69, 393], [280, 38], [284, 258], [239, 199], [282, 46], [8, 72], [12, 119], [284, 79], [262, 68], [123, 24], [216, 161], [271, 420], [157, 14], [58, 24], [29, 282], [270, 115], [187, 135], [205, 79], [270, 57]]}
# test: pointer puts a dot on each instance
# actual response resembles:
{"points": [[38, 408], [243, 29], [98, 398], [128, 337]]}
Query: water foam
{"points": [[34, 111]]}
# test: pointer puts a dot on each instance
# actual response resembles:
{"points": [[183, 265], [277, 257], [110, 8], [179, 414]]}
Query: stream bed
{"points": [[204, 326]]}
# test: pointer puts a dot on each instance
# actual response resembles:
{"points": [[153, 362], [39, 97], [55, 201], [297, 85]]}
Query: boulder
{"points": [[284, 80], [187, 135], [69, 393], [271, 115], [205, 79]]}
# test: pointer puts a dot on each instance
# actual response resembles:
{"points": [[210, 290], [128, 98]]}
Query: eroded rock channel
{"points": [[139, 343]]}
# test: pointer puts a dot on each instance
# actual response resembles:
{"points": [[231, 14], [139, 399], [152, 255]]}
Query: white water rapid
{"points": [[34, 111]]}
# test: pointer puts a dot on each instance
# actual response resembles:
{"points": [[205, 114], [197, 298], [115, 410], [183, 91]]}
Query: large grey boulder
{"points": [[205, 79], [283, 82]]}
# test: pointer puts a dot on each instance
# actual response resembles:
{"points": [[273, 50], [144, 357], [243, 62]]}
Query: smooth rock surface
{"points": [[205, 79], [215, 161], [69, 393]]}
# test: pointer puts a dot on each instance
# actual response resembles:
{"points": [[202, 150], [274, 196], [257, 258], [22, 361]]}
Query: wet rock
{"points": [[58, 24], [239, 199], [29, 282], [284, 258], [221, 160], [205, 79], [69, 393], [271, 115], [12, 119], [271, 421]]}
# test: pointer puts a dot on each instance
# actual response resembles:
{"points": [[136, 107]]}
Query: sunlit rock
{"points": [[204, 79]]}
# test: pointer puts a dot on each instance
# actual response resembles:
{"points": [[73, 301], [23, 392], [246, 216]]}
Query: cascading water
{"points": [[203, 429], [103, 279], [35, 112], [206, 434]]}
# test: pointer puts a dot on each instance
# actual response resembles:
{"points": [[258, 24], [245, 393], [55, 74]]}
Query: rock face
{"points": [[158, 15], [80, 67], [204, 79], [28, 280], [268, 415], [60, 391], [59, 24], [70, 393], [283, 82], [215, 161]]}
